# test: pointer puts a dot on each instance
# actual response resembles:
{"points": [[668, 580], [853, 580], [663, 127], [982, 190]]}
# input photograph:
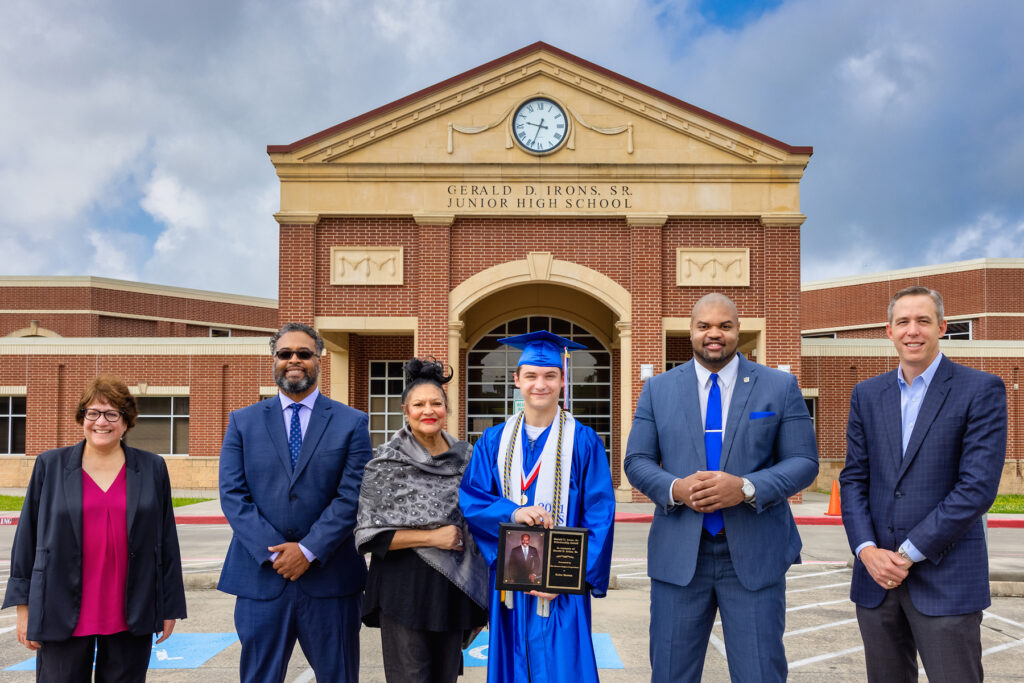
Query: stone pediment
{"points": [[466, 119], [627, 149]]}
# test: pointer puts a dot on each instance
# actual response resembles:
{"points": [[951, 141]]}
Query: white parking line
{"points": [[717, 643], [9, 628], [828, 655], [804, 576], [627, 564], [1008, 621], [818, 588], [1000, 648], [304, 677], [818, 604], [818, 628]]}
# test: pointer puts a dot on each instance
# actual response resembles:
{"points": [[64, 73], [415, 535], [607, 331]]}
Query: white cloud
{"points": [[988, 236], [915, 110]]}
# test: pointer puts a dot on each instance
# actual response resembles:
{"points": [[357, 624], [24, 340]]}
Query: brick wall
{"points": [[983, 290], [36, 301], [835, 378], [218, 385]]}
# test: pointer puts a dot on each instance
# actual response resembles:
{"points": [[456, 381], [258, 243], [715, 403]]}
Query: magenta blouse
{"points": [[104, 557]]}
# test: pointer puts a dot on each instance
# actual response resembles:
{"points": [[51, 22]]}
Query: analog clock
{"points": [[539, 125]]}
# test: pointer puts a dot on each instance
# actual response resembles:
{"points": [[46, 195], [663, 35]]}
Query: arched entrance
{"points": [[491, 394]]}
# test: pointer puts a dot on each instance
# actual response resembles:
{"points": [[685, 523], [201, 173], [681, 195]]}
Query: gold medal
{"points": [[523, 499]]}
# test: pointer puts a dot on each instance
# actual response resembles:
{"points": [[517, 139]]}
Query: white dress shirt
{"points": [[727, 377]]}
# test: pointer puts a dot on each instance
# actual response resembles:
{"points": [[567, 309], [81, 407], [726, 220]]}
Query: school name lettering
{"points": [[555, 196]]}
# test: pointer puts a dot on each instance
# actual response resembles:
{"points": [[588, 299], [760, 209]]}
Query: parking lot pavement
{"points": [[822, 640]]}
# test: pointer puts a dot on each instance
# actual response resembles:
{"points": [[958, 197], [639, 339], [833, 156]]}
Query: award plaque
{"points": [[546, 560]]}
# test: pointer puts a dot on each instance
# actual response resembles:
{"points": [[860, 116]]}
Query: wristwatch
{"points": [[748, 491], [903, 553]]}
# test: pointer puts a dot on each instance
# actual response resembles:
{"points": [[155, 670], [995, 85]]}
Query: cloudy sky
{"points": [[133, 133]]}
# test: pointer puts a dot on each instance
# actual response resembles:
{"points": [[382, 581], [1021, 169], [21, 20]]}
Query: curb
{"points": [[620, 518]]}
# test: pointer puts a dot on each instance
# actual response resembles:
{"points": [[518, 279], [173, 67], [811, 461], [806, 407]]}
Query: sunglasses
{"points": [[286, 354]]}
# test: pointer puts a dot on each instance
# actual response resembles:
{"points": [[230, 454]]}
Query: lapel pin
{"points": [[746, 379]]}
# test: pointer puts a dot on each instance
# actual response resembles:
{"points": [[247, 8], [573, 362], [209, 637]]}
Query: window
{"points": [[491, 392], [220, 332], [386, 384], [672, 364], [812, 408], [162, 426], [820, 335], [958, 330], [12, 425]]}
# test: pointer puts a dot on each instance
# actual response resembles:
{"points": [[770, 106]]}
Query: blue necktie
{"points": [[713, 522], [295, 434]]}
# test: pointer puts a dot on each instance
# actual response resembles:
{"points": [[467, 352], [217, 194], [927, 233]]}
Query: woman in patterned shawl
{"points": [[427, 587]]}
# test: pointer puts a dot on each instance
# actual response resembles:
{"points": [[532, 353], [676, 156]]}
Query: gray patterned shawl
{"points": [[404, 487]]}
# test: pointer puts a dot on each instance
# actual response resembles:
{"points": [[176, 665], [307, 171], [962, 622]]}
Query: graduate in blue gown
{"points": [[518, 474]]}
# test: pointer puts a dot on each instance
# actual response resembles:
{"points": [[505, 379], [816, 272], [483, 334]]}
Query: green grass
{"points": [[1009, 503], [10, 503], [178, 502]]}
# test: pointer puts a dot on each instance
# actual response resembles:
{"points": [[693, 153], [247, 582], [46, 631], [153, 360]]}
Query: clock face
{"points": [[539, 125]]}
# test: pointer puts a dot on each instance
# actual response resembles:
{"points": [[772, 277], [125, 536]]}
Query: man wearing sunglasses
{"points": [[290, 470]]}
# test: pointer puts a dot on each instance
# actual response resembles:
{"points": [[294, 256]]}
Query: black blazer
{"points": [[46, 560]]}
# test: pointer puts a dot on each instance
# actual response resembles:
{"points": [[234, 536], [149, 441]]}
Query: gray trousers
{"points": [[895, 632], [415, 656]]}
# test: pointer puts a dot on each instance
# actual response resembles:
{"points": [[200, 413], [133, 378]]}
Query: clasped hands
{"points": [[887, 568], [290, 563], [707, 491]]}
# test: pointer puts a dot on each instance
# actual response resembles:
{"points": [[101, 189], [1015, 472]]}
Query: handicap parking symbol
{"points": [[180, 651], [604, 651]]}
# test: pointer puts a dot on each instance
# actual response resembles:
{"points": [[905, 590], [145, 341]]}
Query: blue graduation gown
{"points": [[524, 646]]}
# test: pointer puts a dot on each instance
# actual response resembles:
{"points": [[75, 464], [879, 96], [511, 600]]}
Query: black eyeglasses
{"points": [[286, 354], [112, 415]]}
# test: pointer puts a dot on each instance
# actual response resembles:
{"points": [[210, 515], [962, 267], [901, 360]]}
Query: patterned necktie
{"points": [[713, 522], [295, 434]]}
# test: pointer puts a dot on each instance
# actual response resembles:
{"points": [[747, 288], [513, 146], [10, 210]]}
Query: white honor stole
{"points": [[552, 492]]}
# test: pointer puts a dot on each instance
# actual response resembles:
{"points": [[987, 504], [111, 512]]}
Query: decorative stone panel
{"points": [[712, 267], [367, 265]]}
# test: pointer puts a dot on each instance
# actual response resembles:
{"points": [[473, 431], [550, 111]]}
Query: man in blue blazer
{"points": [[719, 444], [290, 469], [925, 446]]}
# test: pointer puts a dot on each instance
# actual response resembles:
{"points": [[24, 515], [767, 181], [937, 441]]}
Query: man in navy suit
{"points": [[719, 444], [290, 469], [925, 446]]}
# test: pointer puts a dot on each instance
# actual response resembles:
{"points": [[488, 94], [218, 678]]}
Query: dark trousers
{"points": [[895, 632], [327, 630], [415, 656], [120, 658], [752, 622]]}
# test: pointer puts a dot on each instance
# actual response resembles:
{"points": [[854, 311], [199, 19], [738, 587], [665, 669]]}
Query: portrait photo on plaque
{"points": [[546, 560]]}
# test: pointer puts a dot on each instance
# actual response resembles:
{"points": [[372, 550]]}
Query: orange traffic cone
{"points": [[834, 508]]}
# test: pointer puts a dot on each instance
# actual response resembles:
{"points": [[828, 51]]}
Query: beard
{"points": [[721, 361], [298, 386]]}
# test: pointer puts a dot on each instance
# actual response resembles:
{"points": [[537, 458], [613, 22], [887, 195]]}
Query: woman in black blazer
{"points": [[95, 562]]}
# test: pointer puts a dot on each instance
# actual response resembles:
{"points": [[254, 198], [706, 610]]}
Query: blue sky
{"points": [[134, 133]]}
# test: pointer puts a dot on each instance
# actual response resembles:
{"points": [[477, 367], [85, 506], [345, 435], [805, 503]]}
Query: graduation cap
{"points": [[542, 348]]}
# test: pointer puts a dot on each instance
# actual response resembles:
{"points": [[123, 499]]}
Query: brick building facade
{"points": [[843, 322], [189, 356], [430, 227]]}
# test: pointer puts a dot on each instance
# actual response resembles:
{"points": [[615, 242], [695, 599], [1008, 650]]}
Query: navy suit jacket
{"points": [[936, 494], [268, 503], [769, 439]]}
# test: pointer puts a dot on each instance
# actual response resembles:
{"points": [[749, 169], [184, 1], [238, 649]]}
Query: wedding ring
{"points": [[890, 583]]}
